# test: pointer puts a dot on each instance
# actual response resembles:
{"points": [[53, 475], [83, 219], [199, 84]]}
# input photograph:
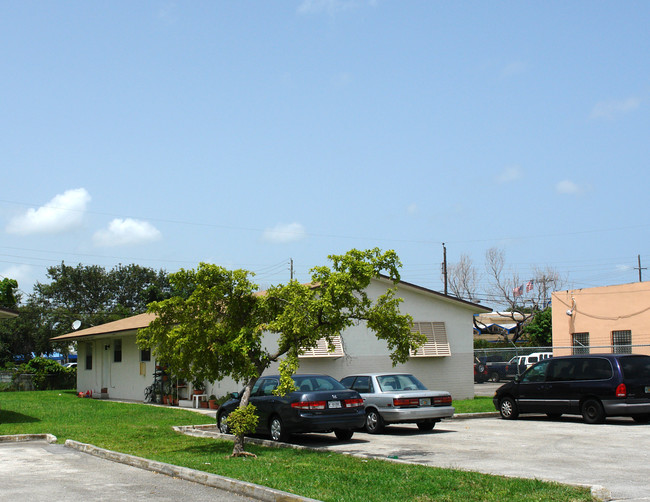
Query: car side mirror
{"points": [[234, 395]]}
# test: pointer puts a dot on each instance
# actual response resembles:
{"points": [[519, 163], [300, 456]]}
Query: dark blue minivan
{"points": [[595, 386]]}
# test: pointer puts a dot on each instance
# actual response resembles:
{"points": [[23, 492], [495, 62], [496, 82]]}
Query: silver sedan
{"points": [[397, 398]]}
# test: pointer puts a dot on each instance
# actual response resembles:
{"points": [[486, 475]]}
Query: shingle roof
{"points": [[129, 324]]}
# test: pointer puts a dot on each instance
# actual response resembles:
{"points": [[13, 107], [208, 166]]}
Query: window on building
{"points": [[323, 349], [145, 355], [117, 350], [89, 356], [580, 343], [436, 344], [622, 342]]}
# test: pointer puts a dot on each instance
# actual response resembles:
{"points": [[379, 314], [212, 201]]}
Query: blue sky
{"points": [[249, 133]]}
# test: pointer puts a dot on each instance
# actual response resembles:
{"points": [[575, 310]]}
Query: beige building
{"points": [[608, 319]]}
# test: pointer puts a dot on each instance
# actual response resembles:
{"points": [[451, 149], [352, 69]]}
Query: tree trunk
{"points": [[238, 445]]}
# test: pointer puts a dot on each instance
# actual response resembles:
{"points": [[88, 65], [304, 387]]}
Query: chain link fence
{"points": [[503, 362]]}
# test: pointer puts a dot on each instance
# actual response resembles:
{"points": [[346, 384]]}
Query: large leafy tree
{"points": [[88, 293], [220, 329], [540, 329]]}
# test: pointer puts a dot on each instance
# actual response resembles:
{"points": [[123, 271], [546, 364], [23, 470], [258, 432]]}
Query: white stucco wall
{"points": [[122, 379], [365, 353]]}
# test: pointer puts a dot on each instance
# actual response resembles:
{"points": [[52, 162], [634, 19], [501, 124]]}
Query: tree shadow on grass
{"points": [[11, 417]]}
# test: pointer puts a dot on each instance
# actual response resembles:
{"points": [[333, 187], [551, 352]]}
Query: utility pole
{"points": [[444, 265], [291, 267], [639, 268]]}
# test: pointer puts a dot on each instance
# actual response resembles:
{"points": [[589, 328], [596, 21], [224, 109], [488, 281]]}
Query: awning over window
{"points": [[437, 344], [322, 349]]}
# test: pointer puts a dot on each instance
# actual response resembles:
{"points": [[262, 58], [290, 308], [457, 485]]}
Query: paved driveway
{"points": [[615, 455], [36, 471]]}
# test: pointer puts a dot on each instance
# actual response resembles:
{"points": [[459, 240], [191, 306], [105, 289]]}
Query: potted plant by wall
{"points": [[212, 401], [198, 387]]}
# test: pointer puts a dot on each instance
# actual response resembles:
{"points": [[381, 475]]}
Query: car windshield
{"points": [[316, 382], [390, 383]]}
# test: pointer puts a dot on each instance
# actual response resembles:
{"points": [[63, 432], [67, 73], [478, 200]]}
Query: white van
{"points": [[519, 364]]}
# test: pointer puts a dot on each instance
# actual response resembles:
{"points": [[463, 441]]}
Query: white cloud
{"points": [[342, 80], [610, 109], [283, 233], [512, 69], [64, 212], [126, 232], [568, 187], [510, 174], [412, 209]]}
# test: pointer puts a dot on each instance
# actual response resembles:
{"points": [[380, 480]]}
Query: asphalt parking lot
{"points": [[615, 455]]}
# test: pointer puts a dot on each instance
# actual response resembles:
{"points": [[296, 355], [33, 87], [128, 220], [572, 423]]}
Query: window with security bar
{"points": [[622, 342], [580, 343], [437, 344]]}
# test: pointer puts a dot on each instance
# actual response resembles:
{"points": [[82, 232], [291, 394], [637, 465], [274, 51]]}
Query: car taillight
{"points": [[309, 405], [438, 401], [352, 403], [406, 402], [621, 390]]}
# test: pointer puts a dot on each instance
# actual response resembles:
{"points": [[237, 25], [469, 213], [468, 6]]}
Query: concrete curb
{"points": [[232, 485], [17, 438], [483, 414]]}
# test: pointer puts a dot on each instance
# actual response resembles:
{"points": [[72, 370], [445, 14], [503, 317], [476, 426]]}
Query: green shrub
{"points": [[50, 375], [243, 421]]}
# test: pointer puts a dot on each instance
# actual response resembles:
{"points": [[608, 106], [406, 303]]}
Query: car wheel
{"points": [[508, 408], [480, 368], [374, 422], [278, 433], [641, 419], [496, 377], [426, 426], [593, 412], [344, 434], [222, 423]]}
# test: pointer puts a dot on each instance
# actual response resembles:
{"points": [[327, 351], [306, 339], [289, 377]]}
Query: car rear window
{"points": [[316, 382], [634, 367], [390, 383]]}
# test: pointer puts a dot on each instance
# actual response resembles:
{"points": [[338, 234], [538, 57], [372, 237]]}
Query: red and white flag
{"points": [[529, 286]]}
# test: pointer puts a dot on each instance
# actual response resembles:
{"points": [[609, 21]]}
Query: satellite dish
{"points": [[76, 325]]}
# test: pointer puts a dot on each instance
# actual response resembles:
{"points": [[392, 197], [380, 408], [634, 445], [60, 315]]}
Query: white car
{"points": [[397, 398]]}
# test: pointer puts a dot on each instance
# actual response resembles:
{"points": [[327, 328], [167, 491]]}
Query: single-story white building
{"points": [[109, 360]]}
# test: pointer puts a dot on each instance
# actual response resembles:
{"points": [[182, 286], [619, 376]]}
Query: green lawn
{"points": [[145, 431], [477, 405]]}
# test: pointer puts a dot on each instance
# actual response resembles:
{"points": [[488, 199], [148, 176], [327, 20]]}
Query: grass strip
{"points": [[146, 431]]}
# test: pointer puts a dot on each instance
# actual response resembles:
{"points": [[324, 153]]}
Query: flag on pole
{"points": [[529, 286], [518, 291]]}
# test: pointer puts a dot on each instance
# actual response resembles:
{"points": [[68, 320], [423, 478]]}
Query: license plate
{"points": [[334, 404], [425, 401]]}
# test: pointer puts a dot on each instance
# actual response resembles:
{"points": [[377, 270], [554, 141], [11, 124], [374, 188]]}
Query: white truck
{"points": [[518, 364]]}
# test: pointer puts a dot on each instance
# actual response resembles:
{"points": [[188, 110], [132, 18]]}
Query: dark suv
{"points": [[595, 386]]}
